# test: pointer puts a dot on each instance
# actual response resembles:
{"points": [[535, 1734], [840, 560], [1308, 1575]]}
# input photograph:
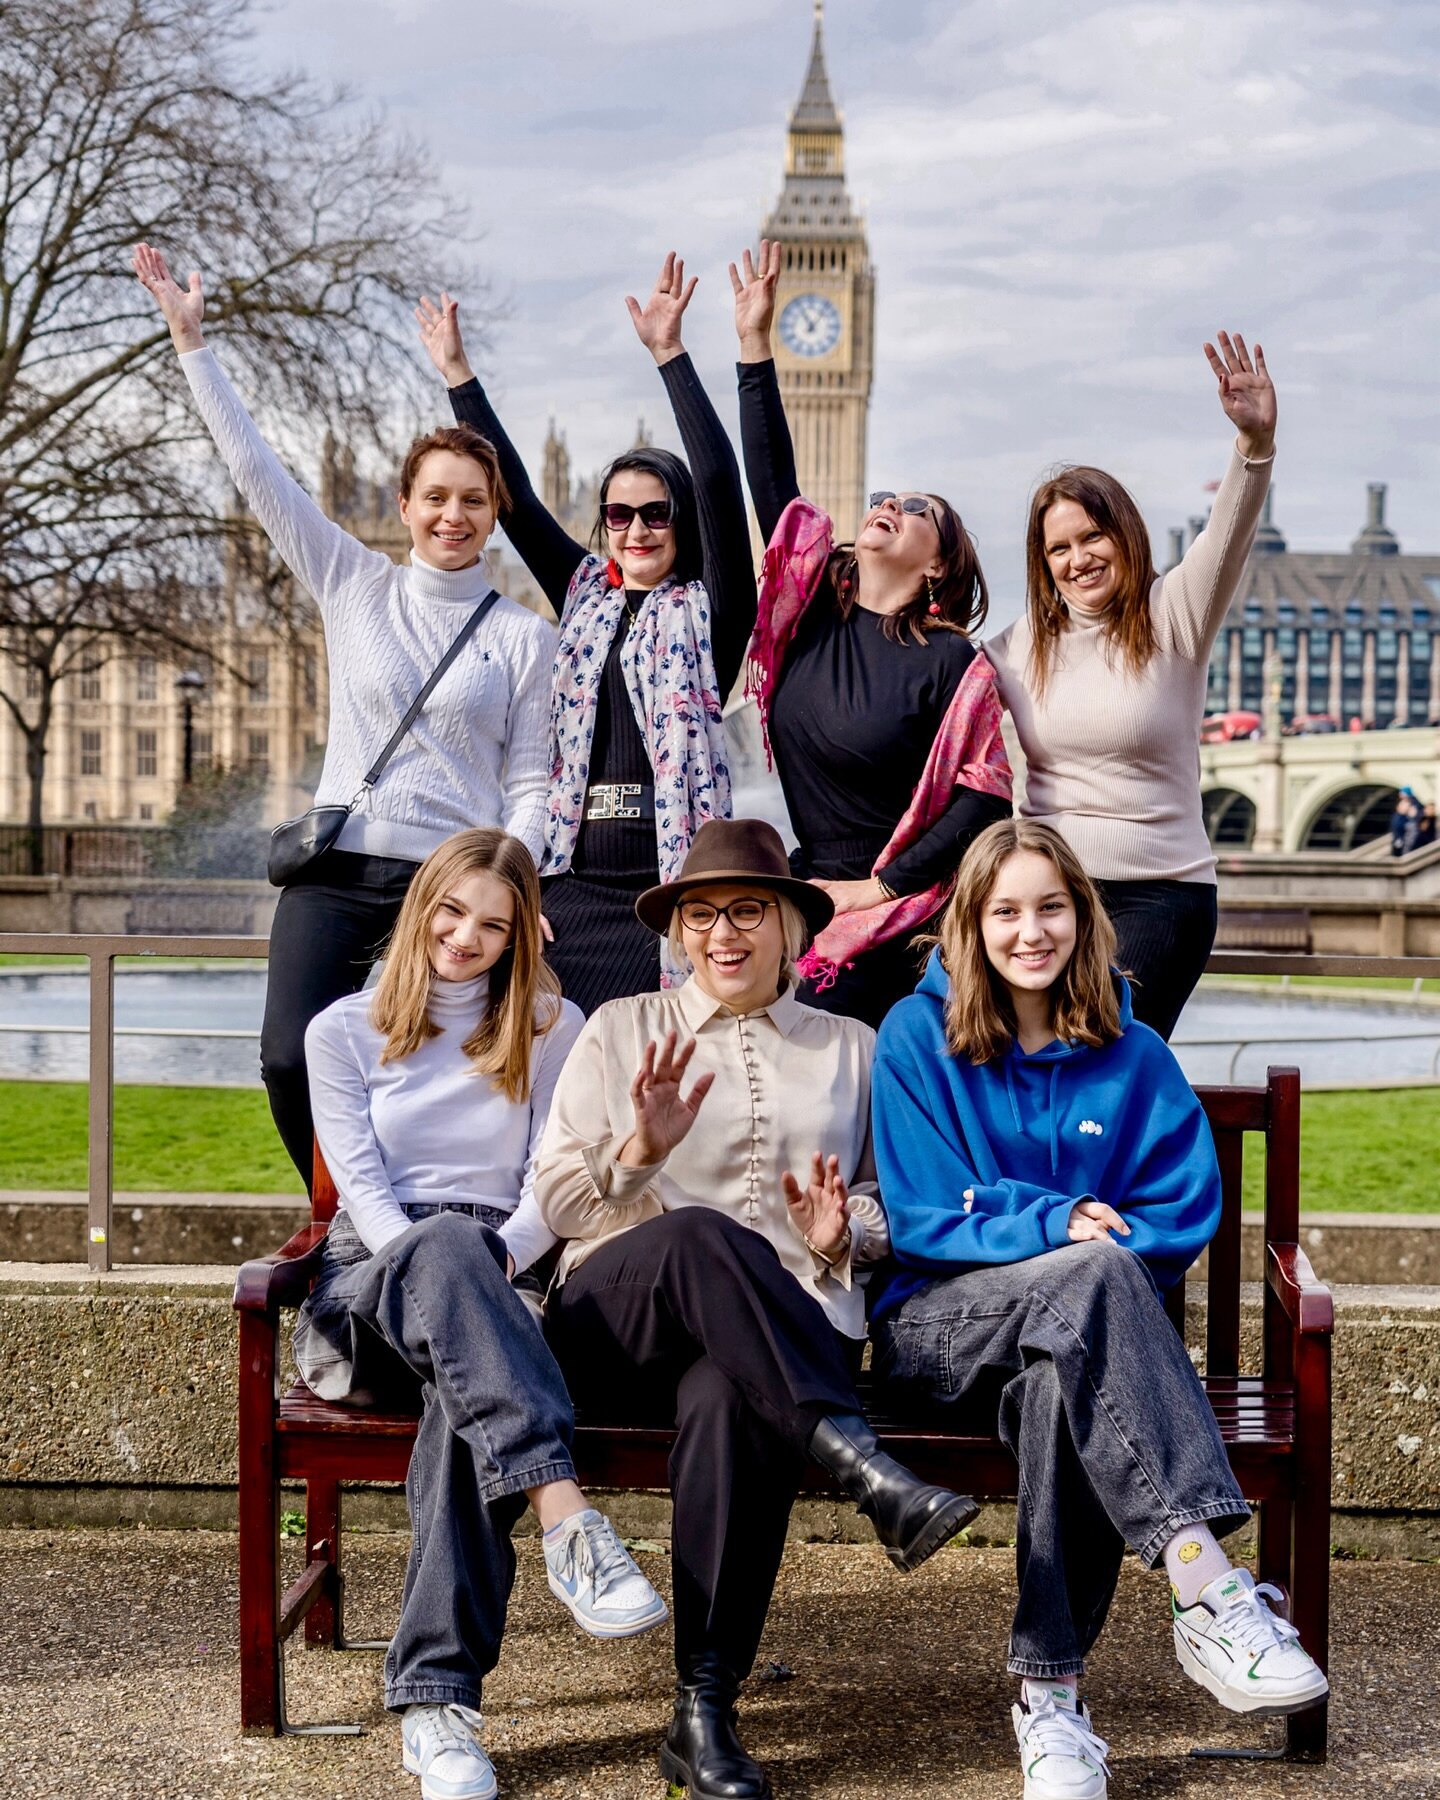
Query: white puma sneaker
{"points": [[1062, 1757], [1249, 1657]]}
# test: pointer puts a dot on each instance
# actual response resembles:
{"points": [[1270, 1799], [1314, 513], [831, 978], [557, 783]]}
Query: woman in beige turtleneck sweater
{"points": [[1105, 678]]}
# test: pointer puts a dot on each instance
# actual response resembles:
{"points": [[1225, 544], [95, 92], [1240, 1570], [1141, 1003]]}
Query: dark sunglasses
{"points": [[655, 514], [912, 503]]}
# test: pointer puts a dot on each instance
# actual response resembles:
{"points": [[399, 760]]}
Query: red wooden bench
{"points": [[1276, 1425]]}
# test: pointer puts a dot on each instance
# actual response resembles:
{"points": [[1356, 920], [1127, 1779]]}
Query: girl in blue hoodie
{"points": [[1047, 1172]]}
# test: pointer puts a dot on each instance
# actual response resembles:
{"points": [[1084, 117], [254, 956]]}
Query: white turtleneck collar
{"points": [[448, 586], [450, 1002]]}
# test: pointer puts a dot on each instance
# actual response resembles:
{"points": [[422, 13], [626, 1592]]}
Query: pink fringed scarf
{"points": [[968, 751]]}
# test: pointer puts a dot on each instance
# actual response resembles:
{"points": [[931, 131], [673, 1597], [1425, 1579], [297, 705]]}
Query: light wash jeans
{"points": [[433, 1319], [1101, 1408]]}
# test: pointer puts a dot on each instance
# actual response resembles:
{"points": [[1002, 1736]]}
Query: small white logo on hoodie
{"points": [[1090, 1126]]}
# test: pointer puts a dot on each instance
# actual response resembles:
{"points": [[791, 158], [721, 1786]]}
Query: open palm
{"points": [[657, 322], [440, 334], [183, 308], [821, 1209], [754, 285], [1246, 391], [663, 1115]]}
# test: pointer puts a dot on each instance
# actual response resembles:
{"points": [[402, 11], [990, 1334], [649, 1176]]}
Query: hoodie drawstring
{"points": [[1014, 1103], [1054, 1125]]}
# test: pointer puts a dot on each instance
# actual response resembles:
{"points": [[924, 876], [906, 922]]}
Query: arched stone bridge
{"points": [[1314, 793]]}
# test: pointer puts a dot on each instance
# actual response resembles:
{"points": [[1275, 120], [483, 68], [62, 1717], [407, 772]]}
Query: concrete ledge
{"points": [[126, 1382], [1347, 1249]]}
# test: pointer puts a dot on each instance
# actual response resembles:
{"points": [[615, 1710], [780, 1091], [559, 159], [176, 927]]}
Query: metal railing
{"points": [[100, 953]]}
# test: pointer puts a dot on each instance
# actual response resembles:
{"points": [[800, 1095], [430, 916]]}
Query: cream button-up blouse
{"points": [[789, 1080]]}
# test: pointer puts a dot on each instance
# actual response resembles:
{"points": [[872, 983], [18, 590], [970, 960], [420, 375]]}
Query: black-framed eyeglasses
{"points": [[744, 915], [654, 513], [912, 503]]}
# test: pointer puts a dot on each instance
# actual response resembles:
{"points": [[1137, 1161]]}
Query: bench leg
{"points": [[322, 1544], [1305, 1734], [1272, 1543], [261, 1706]]}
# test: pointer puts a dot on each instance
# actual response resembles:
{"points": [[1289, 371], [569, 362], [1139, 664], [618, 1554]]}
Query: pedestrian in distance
{"points": [[475, 755], [654, 618], [430, 1096], [708, 1161], [1105, 676], [1048, 1172], [880, 713]]}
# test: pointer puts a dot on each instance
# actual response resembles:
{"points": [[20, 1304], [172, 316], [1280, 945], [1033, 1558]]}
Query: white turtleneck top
{"points": [[428, 1127], [479, 752]]}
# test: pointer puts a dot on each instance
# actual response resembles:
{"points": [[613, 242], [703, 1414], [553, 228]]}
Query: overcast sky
{"points": [[1064, 199]]}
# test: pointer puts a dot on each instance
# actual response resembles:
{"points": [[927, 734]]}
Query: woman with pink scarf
{"points": [[880, 714]]}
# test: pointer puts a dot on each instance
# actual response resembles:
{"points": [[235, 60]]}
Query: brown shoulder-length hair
{"points": [[1128, 624], [524, 993], [462, 440], [959, 590], [979, 1015]]}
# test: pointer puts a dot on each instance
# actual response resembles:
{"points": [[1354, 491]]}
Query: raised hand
{"points": [[183, 308], [440, 334], [657, 322], [1246, 393], [755, 300], [1091, 1221], [821, 1210], [663, 1115]]}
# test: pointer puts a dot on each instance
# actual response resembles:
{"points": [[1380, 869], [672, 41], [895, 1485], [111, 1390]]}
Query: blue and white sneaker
{"points": [[1061, 1754], [1250, 1658], [441, 1744], [592, 1572]]}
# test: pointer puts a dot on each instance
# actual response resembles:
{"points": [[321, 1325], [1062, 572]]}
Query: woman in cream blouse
{"points": [[708, 1159]]}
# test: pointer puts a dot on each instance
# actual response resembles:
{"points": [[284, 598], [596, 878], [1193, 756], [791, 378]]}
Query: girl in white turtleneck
{"points": [[430, 1096]]}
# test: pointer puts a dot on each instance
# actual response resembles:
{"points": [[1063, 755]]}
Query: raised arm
{"points": [[1195, 596], [546, 548], [729, 570], [321, 553], [764, 429]]}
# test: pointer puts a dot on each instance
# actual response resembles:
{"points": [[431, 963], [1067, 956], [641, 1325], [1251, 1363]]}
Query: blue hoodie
{"points": [[1028, 1136]]}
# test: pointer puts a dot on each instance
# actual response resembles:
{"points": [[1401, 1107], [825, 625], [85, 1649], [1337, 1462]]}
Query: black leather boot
{"points": [[912, 1518], [702, 1750]]}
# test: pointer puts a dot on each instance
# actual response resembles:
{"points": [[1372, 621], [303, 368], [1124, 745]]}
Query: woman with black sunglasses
{"points": [[653, 631], [880, 714]]}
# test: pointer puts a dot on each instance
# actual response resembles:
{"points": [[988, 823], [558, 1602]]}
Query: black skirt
{"points": [[601, 950]]}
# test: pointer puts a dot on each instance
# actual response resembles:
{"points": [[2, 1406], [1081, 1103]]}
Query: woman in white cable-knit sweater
{"points": [[1105, 677], [477, 754]]}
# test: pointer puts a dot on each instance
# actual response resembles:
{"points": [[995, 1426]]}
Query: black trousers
{"points": [[330, 927], [693, 1317], [875, 981], [1166, 931]]}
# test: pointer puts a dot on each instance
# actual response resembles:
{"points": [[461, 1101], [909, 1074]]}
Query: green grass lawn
{"points": [[167, 1140], [1361, 1151], [1374, 983]]}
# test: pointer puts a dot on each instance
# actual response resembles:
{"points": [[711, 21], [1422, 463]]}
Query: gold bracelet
{"points": [[832, 1262], [885, 888]]}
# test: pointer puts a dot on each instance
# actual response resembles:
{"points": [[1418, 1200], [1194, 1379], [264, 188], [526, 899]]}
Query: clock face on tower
{"points": [[810, 325]]}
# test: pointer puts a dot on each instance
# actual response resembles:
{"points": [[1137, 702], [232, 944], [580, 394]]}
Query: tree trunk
{"points": [[35, 769]]}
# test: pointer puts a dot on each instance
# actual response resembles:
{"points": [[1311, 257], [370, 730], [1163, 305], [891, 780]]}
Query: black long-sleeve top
{"points": [[626, 849], [855, 713]]}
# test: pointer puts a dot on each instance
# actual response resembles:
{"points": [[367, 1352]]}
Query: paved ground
{"points": [[118, 1681]]}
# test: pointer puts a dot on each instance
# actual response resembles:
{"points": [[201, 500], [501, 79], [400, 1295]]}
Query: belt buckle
{"points": [[604, 802]]}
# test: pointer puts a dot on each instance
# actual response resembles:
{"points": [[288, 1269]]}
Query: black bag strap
{"points": [[462, 638]]}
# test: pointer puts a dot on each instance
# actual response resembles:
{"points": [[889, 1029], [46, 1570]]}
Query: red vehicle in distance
{"points": [[1311, 725], [1225, 728]]}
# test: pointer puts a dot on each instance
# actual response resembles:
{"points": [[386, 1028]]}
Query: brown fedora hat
{"points": [[735, 850]]}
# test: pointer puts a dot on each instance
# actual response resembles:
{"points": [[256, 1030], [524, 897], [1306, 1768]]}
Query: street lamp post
{"points": [[189, 686]]}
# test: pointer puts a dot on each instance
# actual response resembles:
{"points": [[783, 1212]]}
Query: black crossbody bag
{"points": [[295, 843]]}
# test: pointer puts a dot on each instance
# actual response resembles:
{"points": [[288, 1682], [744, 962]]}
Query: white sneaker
{"points": [[441, 1744], [593, 1573], [1250, 1658], [1059, 1752]]}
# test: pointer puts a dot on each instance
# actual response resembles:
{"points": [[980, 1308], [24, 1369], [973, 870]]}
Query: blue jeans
{"points": [[1098, 1403], [432, 1318]]}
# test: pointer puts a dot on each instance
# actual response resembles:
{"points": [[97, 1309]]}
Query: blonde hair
{"points": [[979, 1014], [794, 932], [524, 993]]}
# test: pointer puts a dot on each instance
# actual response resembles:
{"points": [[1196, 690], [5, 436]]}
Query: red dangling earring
{"points": [[934, 607], [613, 575]]}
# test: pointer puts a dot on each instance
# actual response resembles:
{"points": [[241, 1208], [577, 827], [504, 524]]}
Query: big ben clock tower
{"points": [[825, 323]]}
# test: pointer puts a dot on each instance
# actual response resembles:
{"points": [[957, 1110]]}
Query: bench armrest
{"points": [[1307, 1302], [283, 1278]]}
